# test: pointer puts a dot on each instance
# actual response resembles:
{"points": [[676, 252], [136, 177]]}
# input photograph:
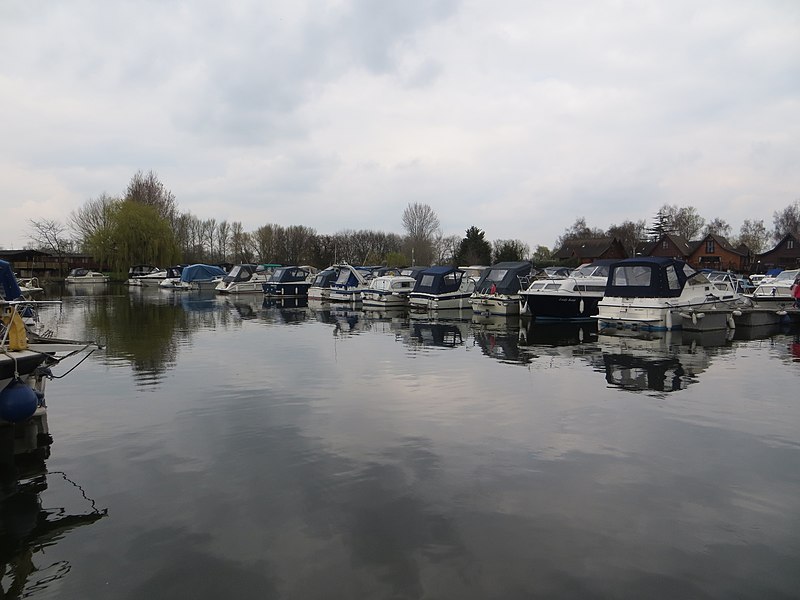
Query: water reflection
{"points": [[659, 361], [28, 528], [443, 335]]}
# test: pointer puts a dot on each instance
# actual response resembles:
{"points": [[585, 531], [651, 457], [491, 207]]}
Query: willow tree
{"points": [[134, 234]]}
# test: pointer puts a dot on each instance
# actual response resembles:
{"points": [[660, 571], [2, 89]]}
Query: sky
{"points": [[516, 116]]}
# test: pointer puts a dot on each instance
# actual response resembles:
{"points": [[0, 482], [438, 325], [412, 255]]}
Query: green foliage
{"points": [[135, 233], [474, 249], [396, 259], [510, 250]]}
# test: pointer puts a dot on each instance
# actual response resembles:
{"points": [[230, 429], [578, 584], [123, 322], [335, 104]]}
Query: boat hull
{"points": [[495, 304], [552, 307], [428, 302]]}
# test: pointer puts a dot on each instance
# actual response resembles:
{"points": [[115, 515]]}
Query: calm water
{"points": [[241, 450]]}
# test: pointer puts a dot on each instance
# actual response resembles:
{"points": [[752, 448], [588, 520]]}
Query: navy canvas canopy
{"points": [[201, 273], [11, 289], [504, 276], [648, 277], [438, 280]]}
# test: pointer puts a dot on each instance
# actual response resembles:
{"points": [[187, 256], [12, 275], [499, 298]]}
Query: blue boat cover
{"points": [[504, 276], [438, 280], [648, 277], [201, 273], [11, 289]]}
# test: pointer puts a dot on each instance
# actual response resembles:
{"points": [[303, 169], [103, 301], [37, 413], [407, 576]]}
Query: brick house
{"points": [[669, 245], [785, 254], [715, 252], [588, 250]]}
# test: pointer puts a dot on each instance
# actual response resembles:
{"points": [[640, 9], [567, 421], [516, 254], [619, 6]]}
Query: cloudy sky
{"points": [[513, 115]]}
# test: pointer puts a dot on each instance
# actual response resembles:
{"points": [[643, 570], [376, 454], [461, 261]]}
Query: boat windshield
{"points": [[239, 273], [591, 271]]}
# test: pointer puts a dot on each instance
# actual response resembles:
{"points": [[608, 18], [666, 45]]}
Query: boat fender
{"points": [[737, 313], [668, 320], [581, 306], [731, 321], [694, 318], [781, 313], [18, 402]]}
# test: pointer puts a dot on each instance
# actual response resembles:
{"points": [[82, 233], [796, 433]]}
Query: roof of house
{"points": [[585, 248]]}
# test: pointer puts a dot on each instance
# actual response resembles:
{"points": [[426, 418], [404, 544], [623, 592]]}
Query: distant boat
{"points": [[86, 276], [350, 283], [246, 278], [289, 282], [195, 277], [321, 285], [145, 276]]}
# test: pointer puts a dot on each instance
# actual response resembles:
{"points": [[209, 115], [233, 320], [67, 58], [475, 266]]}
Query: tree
{"points": [[448, 249], [542, 255], [754, 235], [147, 189], [48, 235], [422, 229], [92, 218], [579, 230], [661, 224], [629, 233], [474, 249], [510, 250], [717, 226], [786, 221], [684, 221]]}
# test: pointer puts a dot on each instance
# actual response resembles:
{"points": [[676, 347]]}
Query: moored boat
{"points": [[289, 282], [199, 277], [86, 276], [651, 293], [442, 288], [320, 289], [246, 278], [497, 291], [350, 283], [567, 298]]}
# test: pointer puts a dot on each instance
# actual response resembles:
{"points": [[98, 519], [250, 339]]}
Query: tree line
{"points": [[144, 226]]}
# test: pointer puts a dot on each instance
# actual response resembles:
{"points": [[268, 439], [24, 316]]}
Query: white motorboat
{"points": [[388, 291], [246, 278], [29, 286], [570, 298], [145, 276], [497, 291], [652, 293], [86, 276], [442, 288], [777, 292]]}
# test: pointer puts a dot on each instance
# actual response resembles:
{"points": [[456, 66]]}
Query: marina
{"points": [[292, 449]]}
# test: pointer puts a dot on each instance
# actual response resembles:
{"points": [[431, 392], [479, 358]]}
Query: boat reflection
{"points": [[498, 337], [442, 335], [28, 528], [666, 361], [288, 311], [533, 333]]}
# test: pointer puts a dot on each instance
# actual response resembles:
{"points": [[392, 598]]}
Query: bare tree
{"points": [[147, 189], [48, 235], [93, 218], [786, 221], [754, 235], [629, 233], [717, 226], [422, 230], [685, 221]]}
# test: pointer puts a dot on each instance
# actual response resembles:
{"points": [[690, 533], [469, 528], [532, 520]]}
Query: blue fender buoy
{"points": [[17, 402]]}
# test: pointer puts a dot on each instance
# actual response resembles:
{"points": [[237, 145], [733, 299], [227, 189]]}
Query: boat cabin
{"points": [[503, 278], [439, 280], [650, 277]]}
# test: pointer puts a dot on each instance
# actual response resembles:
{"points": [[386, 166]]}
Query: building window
{"points": [[709, 246], [665, 244], [789, 244]]}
